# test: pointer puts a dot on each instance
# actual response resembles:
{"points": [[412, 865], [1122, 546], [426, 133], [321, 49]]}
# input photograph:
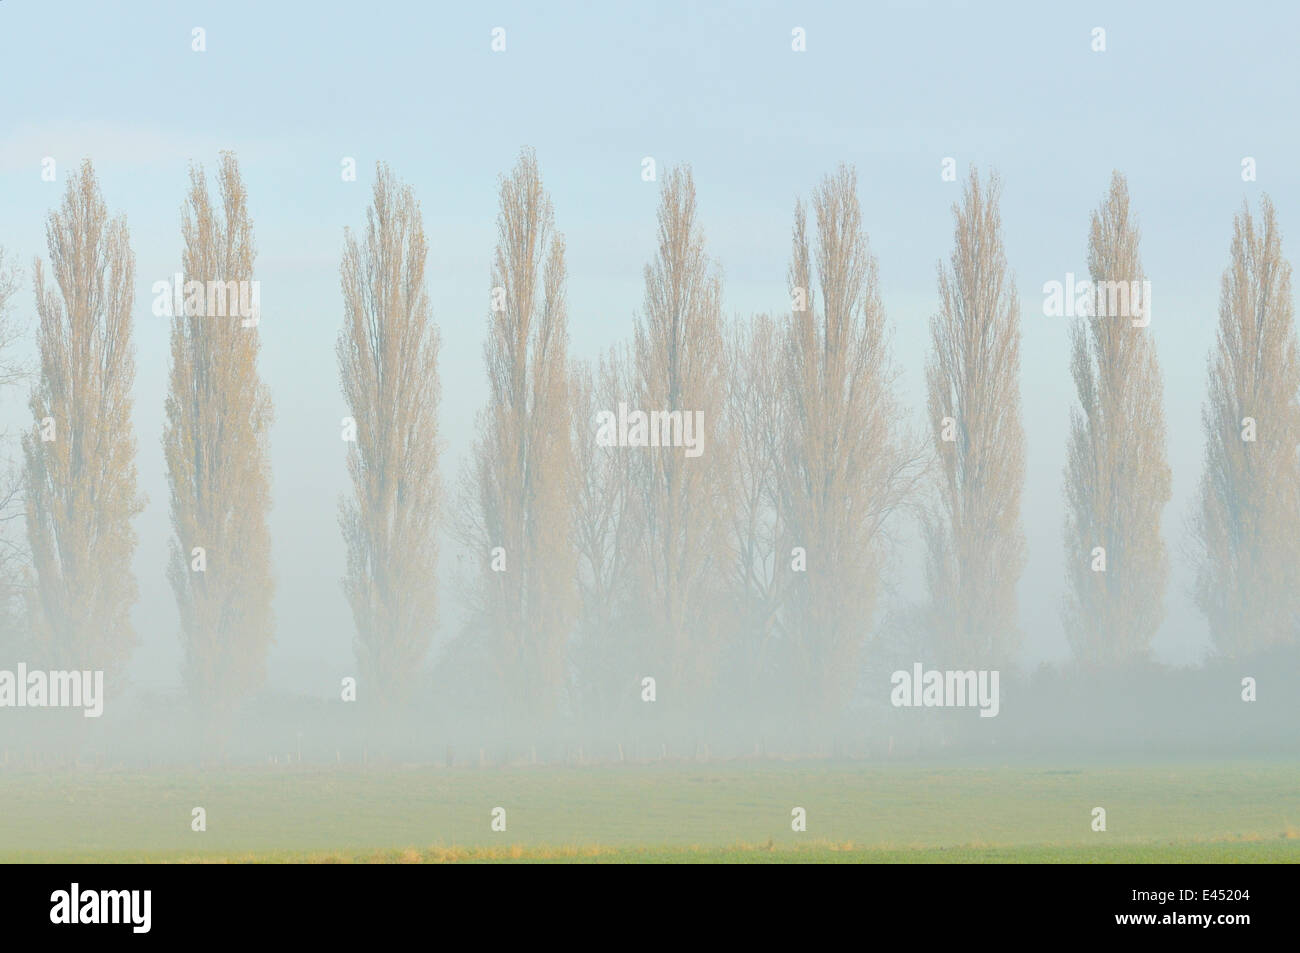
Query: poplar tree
{"points": [[1117, 480], [1247, 523], [975, 542], [605, 538], [14, 555], [757, 571], [388, 368], [522, 525], [847, 464], [678, 366], [81, 492], [215, 441]]}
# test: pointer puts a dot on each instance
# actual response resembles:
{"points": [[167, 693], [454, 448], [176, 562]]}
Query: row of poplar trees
{"points": [[595, 566]]}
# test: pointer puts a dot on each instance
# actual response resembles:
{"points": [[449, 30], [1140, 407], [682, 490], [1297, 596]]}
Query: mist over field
{"points": [[616, 406]]}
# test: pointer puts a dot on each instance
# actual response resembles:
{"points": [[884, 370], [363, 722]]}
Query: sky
{"points": [[1175, 102]]}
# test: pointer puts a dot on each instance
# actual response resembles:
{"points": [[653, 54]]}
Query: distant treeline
{"points": [[701, 519]]}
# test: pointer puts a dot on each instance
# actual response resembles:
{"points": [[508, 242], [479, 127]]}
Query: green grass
{"points": [[673, 812], [1225, 852]]}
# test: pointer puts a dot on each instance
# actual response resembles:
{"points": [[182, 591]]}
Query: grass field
{"points": [[669, 812]]}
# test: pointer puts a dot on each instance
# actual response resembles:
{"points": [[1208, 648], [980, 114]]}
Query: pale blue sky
{"points": [[1181, 94]]}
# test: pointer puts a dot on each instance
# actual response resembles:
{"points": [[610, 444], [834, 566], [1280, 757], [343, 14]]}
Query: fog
{"points": [[309, 699]]}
